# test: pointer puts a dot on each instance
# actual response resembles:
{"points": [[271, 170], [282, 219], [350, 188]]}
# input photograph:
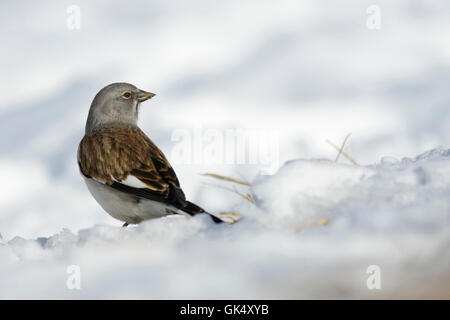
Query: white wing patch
{"points": [[132, 181]]}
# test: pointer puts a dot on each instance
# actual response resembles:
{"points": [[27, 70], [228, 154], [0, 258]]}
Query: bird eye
{"points": [[126, 95]]}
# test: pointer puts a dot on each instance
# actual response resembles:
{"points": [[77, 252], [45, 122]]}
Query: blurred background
{"points": [[306, 71]]}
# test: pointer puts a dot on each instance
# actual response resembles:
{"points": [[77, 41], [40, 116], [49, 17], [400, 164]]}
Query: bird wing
{"points": [[124, 158]]}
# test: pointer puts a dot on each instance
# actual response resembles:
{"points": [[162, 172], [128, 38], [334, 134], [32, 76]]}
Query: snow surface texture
{"points": [[394, 215], [305, 70]]}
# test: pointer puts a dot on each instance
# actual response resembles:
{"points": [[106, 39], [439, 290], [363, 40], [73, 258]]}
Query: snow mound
{"points": [[411, 192], [393, 214]]}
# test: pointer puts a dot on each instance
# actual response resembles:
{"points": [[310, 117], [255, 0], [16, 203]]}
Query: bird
{"points": [[125, 172]]}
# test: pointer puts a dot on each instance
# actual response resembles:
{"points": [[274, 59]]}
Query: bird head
{"points": [[116, 103]]}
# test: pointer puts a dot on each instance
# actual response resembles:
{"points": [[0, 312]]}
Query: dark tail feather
{"points": [[215, 219], [193, 209]]}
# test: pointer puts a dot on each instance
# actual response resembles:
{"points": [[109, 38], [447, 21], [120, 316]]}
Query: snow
{"points": [[290, 75], [394, 215]]}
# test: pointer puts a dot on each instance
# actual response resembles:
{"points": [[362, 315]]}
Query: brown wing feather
{"points": [[114, 152]]}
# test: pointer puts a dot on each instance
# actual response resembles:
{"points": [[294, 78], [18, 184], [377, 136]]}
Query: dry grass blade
{"points": [[246, 196], [218, 176], [349, 158], [342, 147], [321, 222], [230, 217]]}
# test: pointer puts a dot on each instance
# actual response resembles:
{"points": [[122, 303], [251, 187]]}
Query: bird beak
{"points": [[144, 95]]}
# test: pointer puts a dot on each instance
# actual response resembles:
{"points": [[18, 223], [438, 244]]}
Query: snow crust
{"points": [[394, 214]]}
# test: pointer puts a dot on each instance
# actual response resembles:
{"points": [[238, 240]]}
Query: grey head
{"points": [[116, 103]]}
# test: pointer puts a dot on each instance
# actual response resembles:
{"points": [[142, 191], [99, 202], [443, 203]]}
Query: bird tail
{"points": [[227, 217]]}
